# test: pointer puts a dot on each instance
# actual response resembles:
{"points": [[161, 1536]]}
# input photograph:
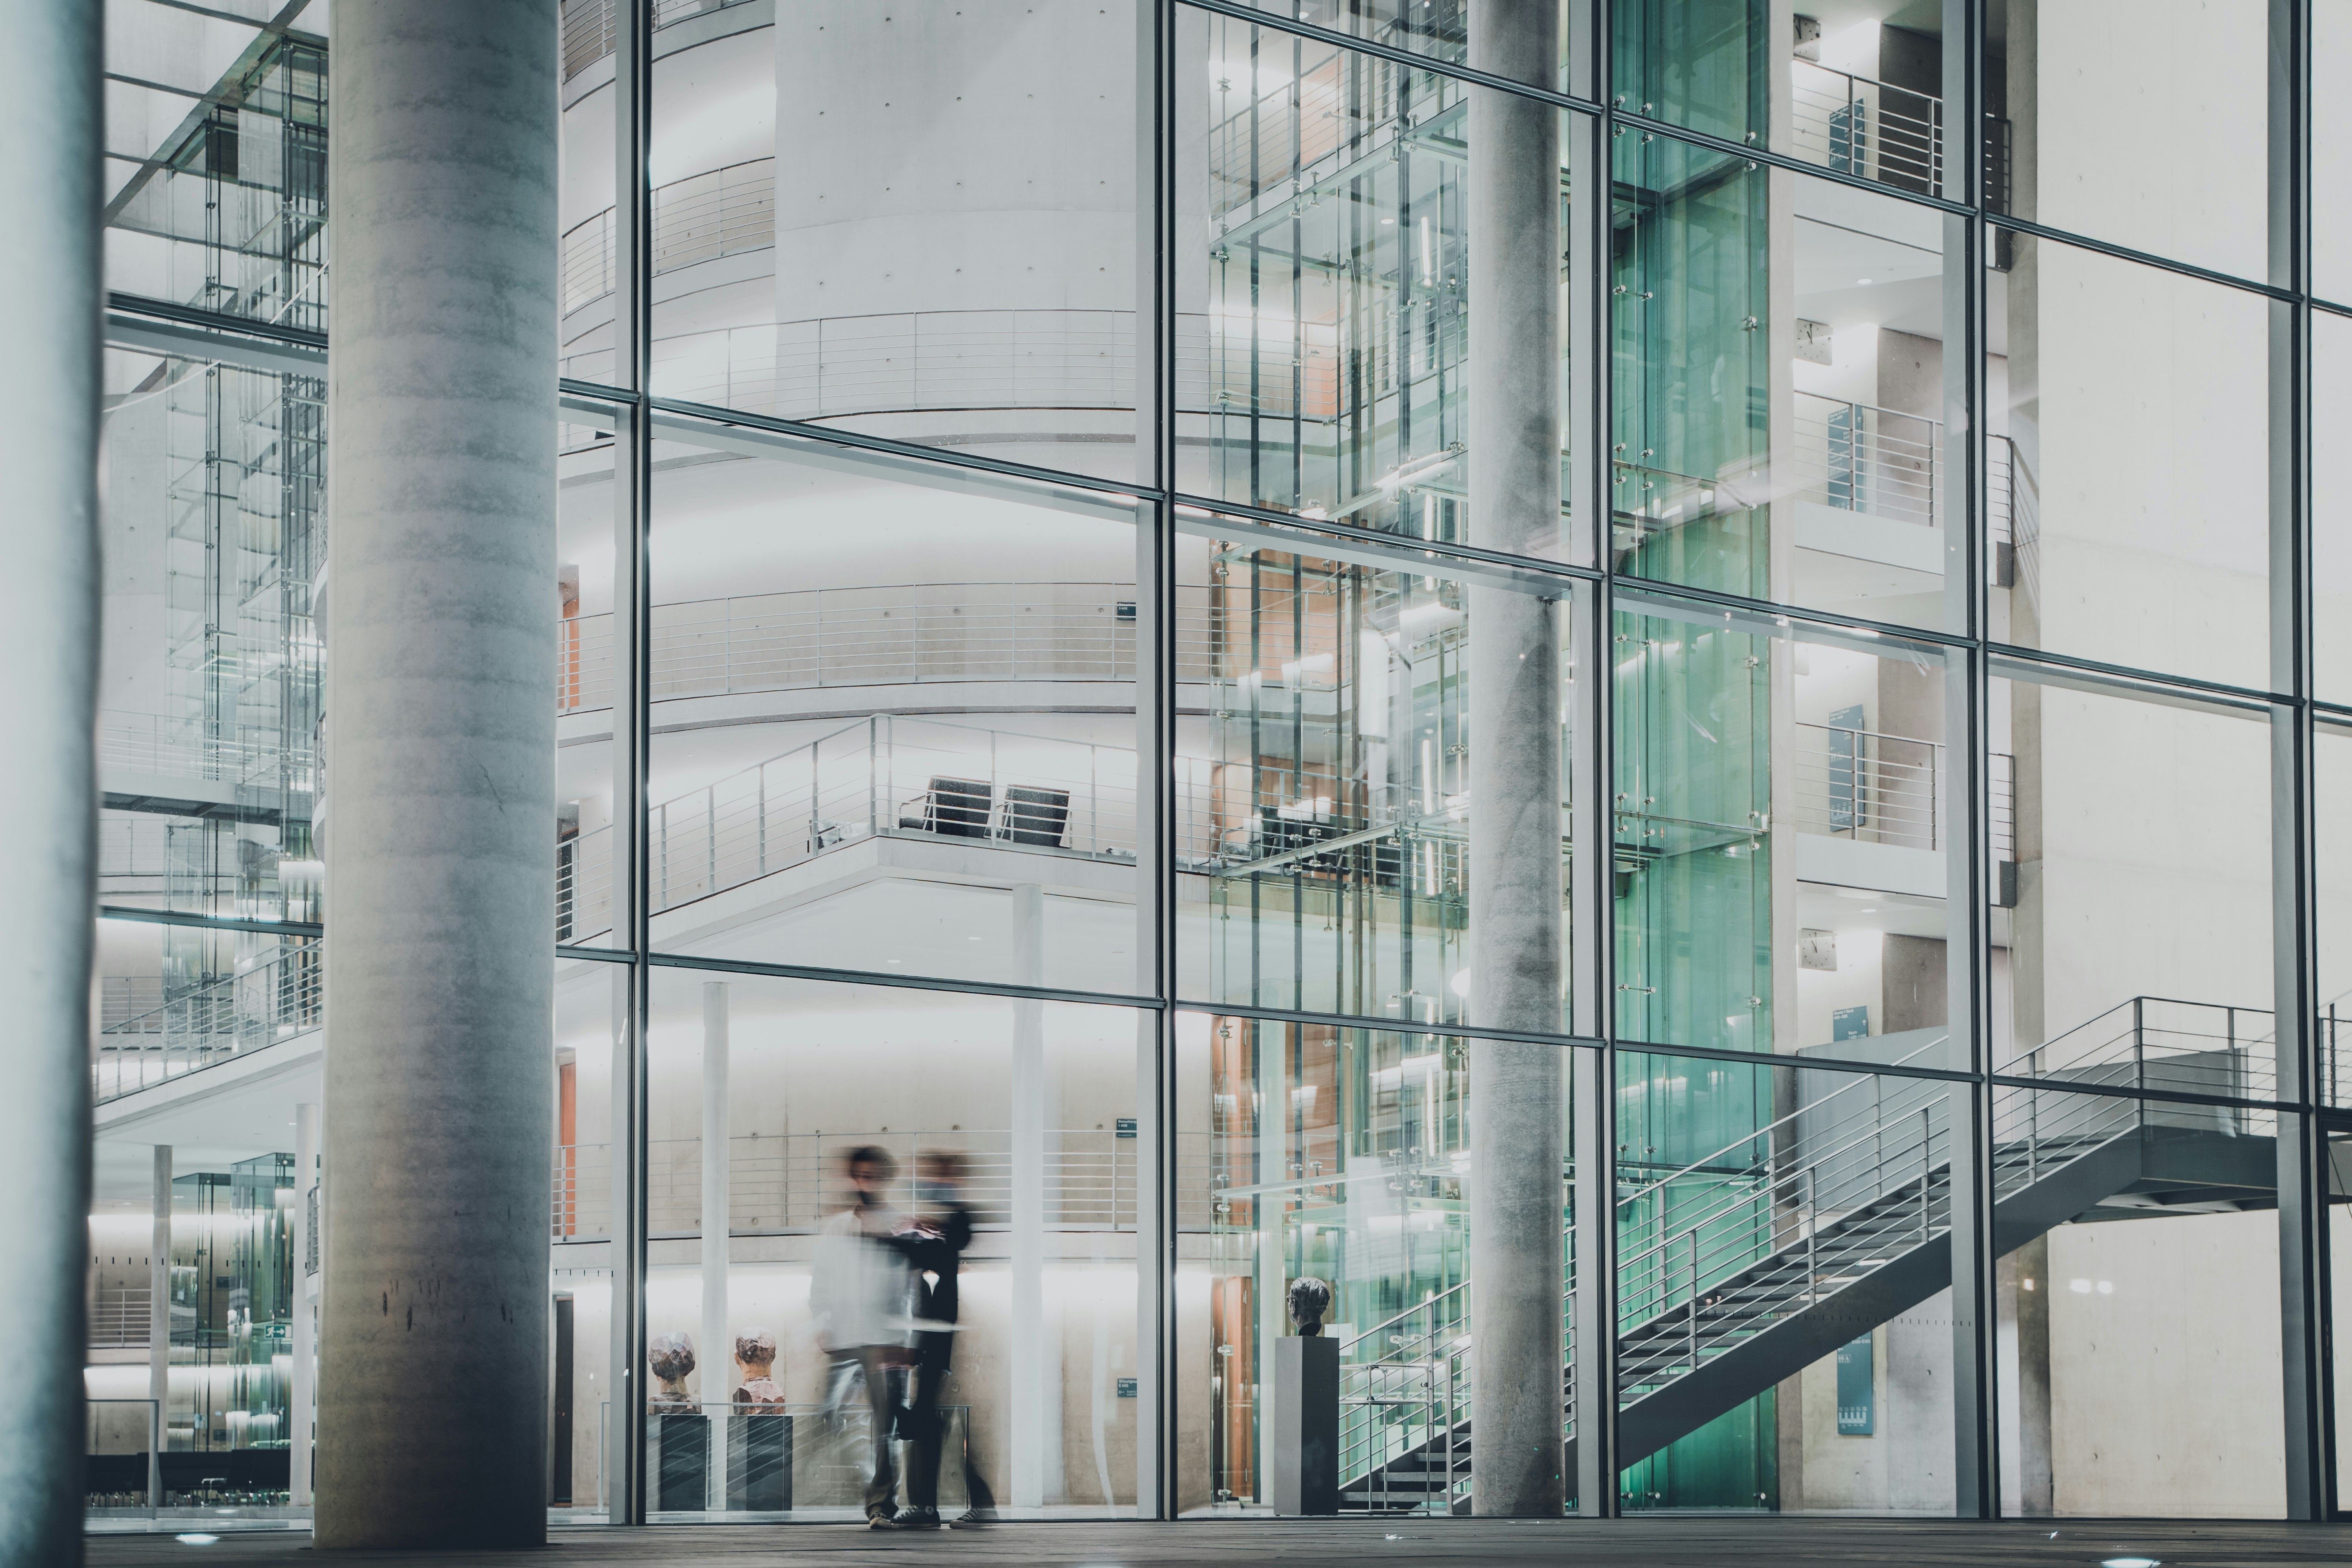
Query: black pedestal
{"points": [[682, 1469], [1307, 1424], [760, 1463]]}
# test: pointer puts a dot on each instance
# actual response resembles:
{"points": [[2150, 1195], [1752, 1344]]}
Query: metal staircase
{"points": [[1742, 1269]]}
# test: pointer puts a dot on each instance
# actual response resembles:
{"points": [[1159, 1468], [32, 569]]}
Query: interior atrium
{"points": [[1653, 684]]}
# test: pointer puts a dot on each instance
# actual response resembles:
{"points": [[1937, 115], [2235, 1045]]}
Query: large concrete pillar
{"points": [[50, 121], [433, 1379], [1516, 1110]]}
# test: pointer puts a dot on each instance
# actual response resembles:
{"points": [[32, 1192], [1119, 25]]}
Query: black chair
{"points": [[959, 808], [1036, 816]]}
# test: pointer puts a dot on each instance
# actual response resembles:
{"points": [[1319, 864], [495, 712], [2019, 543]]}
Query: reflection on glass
{"points": [[2136, 1290], [1330, 374], [2145, 125], [1824, 366], [1002, 1163], [1783, 1264], [2331, 511], [2331, 767], [1329, 813], [1339, 1154], [918, 225], [2137, 907], [591, 1009], [893, 717]]}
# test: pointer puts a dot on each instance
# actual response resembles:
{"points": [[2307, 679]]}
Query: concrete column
{"points": [[159, 1285], [50, 118], [1025, 1358], [1516, 892], [301, 1420], [441, 681], [718, 1348]]}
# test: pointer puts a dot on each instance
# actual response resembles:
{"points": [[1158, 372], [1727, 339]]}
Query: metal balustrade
{"points": [[1872, 788], [719, 213], [791, 1181], [236, 1016], [906, 632], [589, 26], [121, 1318], [1856, 456], [181, 748], [1854, 124]]}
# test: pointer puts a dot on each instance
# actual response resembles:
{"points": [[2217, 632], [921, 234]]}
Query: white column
{"points": [[301, 1416], [441, 684], [159, 1297], [51, 125], [1516, 888], [1025, 1369], [717, 1349]]}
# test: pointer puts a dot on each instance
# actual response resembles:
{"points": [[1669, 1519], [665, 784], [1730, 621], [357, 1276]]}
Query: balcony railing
{"points": [[718, 213], [791, 1181], [908, 633], [589, 26], [1858, 457], [233, 1016], [1855, 125], [119, 1319], [1872, 788]]}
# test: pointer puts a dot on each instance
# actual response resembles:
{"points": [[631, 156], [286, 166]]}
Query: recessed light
{"points": [[1861, 281], [2130, 1562], [195, 1540]]}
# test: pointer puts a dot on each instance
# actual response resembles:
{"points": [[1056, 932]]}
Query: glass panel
{"points": [[2128, 416], [1438, 28], [221, 203], [2331, 767], [1783, 835], [2138, 1291], [1323, 339], [2331, 511], [1784, 1312], [2331, 151], [968, 1280], [592, 1010], [915, 222], [894, 715], [1828, 366], [1327, 812], [2145, 125], [1341, 1156], [2137, 914], [586, 638]]}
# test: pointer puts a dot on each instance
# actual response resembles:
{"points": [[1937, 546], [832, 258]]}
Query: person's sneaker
{"points": [[878, 1520], [972, 1519], [917, 1519]]}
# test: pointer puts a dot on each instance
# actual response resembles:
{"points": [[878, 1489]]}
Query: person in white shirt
{"points": [[862, 1294]]}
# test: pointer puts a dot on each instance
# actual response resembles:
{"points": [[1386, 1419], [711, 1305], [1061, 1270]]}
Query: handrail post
{"points": [[1927, 1172], [1811, 1215], [1693, 1310], [2139, 1043]]}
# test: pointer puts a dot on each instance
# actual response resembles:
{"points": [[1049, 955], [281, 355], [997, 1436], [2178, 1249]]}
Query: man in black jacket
{"points": [[934, 1246]]}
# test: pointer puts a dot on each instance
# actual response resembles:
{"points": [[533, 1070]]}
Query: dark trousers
{"points": [[933, 1353]]}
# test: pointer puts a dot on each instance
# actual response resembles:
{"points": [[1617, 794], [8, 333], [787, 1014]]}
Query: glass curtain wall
{"points": [[1112, 558]]}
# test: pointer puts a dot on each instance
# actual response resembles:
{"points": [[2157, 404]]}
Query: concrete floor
{"points": [[1688, 1542]]}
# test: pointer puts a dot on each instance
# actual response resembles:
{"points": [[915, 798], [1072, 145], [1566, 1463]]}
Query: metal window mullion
{"points": [[1593, 787], [632, 735]]}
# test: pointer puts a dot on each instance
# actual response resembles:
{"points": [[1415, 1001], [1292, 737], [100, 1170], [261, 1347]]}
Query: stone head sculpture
{"points": [[755, 1352], [671, 1356], [1311, 1299]]}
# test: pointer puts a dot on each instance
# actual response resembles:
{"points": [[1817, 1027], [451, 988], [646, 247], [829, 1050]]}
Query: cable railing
{"points": [[1855, 124], [590, 27], [1856, 456], [719, 213], [1870, 788], [233, 1016], [790, 1183], [1409, 1390], [179, 748], [898, 634], [121, 1318], [2161, 1043]]}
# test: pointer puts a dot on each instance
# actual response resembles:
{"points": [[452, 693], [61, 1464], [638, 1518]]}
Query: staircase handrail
{"points": [[1703, 1161]]}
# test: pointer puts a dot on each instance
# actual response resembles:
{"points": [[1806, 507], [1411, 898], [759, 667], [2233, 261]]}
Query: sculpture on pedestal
{"points": [[671, 1356], [755, 1352], [1311, 1299]]}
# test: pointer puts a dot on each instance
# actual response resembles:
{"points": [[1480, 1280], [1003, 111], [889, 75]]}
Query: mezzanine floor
{"points": [[1744, 1541]]}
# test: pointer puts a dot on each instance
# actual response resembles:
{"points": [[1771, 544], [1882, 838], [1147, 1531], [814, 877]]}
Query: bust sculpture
{"points": [[1311, 1299], [671, 1356], [755, 1352]]}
